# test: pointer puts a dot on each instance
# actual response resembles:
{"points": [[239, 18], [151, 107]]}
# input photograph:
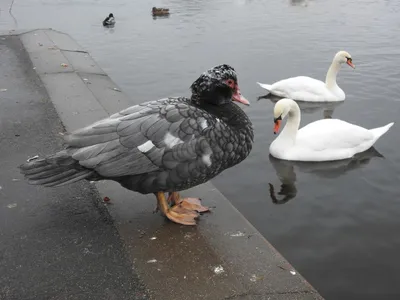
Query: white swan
{"points": [[305, 88], [322, 140]]}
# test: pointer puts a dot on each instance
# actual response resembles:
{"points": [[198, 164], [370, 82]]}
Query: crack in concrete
{"points": [[80, 74], [78, 51]]}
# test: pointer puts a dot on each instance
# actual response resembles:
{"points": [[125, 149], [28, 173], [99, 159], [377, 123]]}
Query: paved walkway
{"points": [[54, 243]]}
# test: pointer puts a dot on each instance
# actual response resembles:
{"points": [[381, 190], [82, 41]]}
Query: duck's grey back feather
{"points": [[167, 144], [135, 140]]}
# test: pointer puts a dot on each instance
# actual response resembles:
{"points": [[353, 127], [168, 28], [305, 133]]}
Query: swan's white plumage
{"points": [[304, 88], [323, 140]]}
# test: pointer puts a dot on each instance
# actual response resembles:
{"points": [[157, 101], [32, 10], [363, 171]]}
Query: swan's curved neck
{"points": [[330, 80], [292, 125]]}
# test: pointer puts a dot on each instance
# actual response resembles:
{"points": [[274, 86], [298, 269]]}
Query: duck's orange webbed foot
{"points": [[193, 204], [176, 213]]}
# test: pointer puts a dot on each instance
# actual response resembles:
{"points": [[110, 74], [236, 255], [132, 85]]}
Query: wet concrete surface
{"points": [[54, 243], [223, 257]]}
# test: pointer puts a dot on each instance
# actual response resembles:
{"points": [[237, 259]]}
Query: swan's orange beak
{"points": [[350, 63], [276, 126]]}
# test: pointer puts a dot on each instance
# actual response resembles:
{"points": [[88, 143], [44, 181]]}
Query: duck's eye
{"points": [[349, 59], [278, 119], [231, 83]]}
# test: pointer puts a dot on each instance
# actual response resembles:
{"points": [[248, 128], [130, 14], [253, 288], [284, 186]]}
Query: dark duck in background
{"points": [[160, 11], [162, 146], [109, 21]]}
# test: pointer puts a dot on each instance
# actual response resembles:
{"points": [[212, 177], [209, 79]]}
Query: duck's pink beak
{"points": [[237, 96]]}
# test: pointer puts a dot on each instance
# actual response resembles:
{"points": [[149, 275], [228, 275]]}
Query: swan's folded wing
{"points": [[300, 87], [144, 138], [332, 134]]}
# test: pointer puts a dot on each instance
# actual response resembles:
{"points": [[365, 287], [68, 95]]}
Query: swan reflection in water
{"points": [[330, 169], [309, 107]]}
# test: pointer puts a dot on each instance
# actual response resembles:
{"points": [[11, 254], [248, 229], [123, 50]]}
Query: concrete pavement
{"points": [[54, 243]]}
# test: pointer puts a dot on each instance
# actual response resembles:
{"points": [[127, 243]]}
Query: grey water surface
{"points": [[337, 223]]}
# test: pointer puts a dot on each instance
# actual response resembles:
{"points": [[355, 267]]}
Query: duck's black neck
{"points": [[228, 112]]}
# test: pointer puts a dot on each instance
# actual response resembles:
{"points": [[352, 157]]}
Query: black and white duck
{"points": [[109, 21], [162, 146]]}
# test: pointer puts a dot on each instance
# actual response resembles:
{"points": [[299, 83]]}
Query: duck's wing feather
{"points": [[153, 136]]}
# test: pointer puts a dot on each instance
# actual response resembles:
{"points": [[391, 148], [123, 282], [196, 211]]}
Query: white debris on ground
{"points": [[13, 205], [152, 261], [188, 236], [237, 234], [293, 272], [255, 278], [218, 270], [153, 238]]}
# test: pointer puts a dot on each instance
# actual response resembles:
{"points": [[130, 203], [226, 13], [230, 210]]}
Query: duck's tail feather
{"points": [[265, 86], [55, 170], [378, 132]]}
